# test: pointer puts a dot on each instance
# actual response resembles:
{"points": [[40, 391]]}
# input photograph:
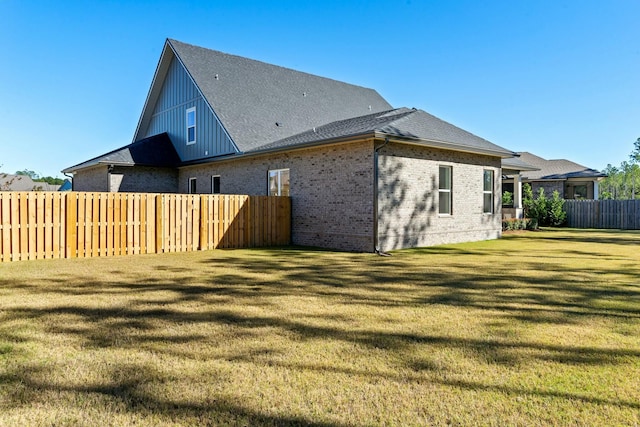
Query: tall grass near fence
{"points": [[43, 225]]}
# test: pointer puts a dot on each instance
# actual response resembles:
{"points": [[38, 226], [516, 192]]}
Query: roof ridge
{"points": [[262, 62]]}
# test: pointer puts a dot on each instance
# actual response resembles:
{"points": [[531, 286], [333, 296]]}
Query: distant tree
{"points": [[50, 180], [634, 158], [635, 154], [31, 174], [610, 186], [623, 182]]}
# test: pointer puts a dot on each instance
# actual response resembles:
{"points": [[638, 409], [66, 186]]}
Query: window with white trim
{"points": [[487, 192], [279, 182], [191, 125], [192, 186], [215, 184], [444, 190]]}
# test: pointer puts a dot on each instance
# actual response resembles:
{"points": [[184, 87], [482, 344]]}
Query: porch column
{"points": [[517, 191], [596, 190]]}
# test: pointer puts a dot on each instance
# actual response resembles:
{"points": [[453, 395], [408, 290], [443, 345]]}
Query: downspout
{"points": [[109, 170], [376, 245], [70, 179]]}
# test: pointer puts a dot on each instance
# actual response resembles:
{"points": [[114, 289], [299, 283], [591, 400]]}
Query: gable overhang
{"points": [[156, 87], [168, 54]]}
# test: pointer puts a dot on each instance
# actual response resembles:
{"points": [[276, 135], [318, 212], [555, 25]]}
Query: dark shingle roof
{"points": [[155, 151], [515, 165], [556, 169], [259, 103], [406, 123], [10, 182]]}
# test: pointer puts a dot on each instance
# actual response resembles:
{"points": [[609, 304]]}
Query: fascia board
{"points": [[446, 146], [155, 88]]}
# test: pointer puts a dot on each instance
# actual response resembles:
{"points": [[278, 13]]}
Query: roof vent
{"points": [[278, 124], [216, 76], [304, 94], [369, 107]]}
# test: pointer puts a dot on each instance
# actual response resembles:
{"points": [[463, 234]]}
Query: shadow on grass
{"points": [[148, 313]]}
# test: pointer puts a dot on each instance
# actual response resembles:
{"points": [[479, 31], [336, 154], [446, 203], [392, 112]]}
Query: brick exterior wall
{"points": [[91, 179], [331, 191], [408, 197], [140, 179], [549, 187]]}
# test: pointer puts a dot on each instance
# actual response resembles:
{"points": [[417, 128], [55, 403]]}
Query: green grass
{"points": [[538, 328]]}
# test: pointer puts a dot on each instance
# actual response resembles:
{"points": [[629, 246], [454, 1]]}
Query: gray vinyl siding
{"points": [[178, 94]]}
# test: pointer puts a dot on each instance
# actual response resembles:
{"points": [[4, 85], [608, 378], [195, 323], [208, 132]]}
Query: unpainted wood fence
{"points": [[620, 214], [43, 225]]}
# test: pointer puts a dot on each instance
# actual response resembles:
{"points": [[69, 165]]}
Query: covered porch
{"points": [[512, 182]]}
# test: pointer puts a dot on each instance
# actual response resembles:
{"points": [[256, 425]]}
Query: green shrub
{"points": [[556, 214], [545, 211], [507, 198], [515, 224]]}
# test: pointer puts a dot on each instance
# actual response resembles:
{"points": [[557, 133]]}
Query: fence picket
{"points": [[39, 225], [617, 214]]}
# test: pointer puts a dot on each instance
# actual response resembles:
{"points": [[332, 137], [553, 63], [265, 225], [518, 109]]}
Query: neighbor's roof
{"points": [[558, 169], [402, 123], [155, 151], [515, 165], [10, 182]]}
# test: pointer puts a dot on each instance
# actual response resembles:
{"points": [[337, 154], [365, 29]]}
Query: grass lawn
{"points": [[538, 328]]}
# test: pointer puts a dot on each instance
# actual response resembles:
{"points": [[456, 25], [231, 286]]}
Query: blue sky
{"points": [[558, 78]]}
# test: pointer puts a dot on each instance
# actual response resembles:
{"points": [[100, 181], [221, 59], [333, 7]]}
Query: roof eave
{"points": [[445, 145], [260, 152], [81, 166]]}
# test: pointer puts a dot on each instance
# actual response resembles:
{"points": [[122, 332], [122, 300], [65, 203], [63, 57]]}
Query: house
{"points": [[362, 175], [10, 182], [571, 180]]}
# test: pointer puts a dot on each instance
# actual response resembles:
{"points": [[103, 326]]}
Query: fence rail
{"points": [[620, 214], [44, 225]]}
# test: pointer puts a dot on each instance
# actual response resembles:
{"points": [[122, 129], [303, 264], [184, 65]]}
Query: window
{"points": [[192, 186], [191, 125], [444, 191], [279, 182], [215, 184], [580, 192], [487, 192]]}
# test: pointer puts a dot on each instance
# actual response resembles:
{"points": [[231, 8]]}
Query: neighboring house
{"points": [[512, 169], [10, 182], [66, 185], [571, 180], [362, 175]]}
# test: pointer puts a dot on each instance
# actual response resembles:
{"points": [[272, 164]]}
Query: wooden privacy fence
{"points": [[42, 225], [620, 214]]}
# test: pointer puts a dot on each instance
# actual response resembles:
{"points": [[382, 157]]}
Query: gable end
{"points": [[173, 92]]}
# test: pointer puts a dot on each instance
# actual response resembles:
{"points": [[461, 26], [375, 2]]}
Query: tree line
{"points": [[623, 182]]}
